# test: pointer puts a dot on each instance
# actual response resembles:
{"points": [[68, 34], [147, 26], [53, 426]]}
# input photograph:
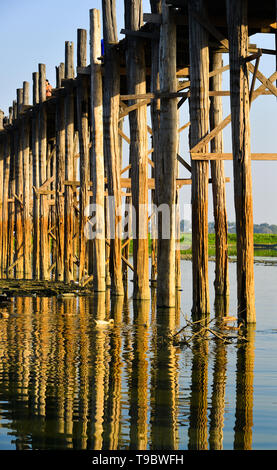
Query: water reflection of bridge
{"points": [[68, 383]]}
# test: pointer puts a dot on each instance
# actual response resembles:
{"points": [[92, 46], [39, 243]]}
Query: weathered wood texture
{"points": [[44, 209], [19, 189], [5, 211], [199, 118], [27, 223], [69, 166], [83, 129], [136, 84], [239, 87], [166, 164], [97, 151], [156, 7], [60, 177], [2, 155], [111, 140], [72, 138], [221, 282], [177, 226], [11, 207], [36, 198]]}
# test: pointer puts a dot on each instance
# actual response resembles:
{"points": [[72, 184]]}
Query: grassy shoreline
{"points": [[259, 238]]}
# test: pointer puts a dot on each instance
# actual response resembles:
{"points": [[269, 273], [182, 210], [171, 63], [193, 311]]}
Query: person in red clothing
{"points": [[48, 89]]}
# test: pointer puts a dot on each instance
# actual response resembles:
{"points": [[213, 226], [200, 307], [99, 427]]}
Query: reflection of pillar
{"points": [[153, 347], [113, 409], [164, 393], [43, 348], [244, 392], [18, 346], [83, 375], [177, 308], [4, 342], [127, 356], [221, 305], [139, 377], [35, 349], [60, 355], [198, 403], [98, 371], [69, 365], [153, 305], [26, 345], [218, 396]]}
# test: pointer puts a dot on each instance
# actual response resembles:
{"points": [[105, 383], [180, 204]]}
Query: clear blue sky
{"points": [[33, 32]]}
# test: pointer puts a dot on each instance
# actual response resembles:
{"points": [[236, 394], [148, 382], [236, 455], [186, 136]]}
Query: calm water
{"points": [[68, 383]]}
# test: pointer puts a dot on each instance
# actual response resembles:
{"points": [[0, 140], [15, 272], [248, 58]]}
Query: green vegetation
{"points": [[259, 238]]}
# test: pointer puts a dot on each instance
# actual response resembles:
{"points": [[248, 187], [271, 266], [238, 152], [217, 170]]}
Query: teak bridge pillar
{"points": [[68, 178]]}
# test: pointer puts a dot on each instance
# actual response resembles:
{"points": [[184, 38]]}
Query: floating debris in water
{"points": [[203, 332]]}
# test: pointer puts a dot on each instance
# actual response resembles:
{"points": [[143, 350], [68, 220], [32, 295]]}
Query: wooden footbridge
{"points": [[64, 152]]}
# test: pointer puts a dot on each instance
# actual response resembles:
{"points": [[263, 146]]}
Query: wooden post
{"points": [[1, 120], [199, 118], [5, 213], [136, 83], [82, 120], [27, 233], [36, 198], [239, 90], [177, 224], [221, 282], [156, 8], [51, 186], [165, 178], [177, 237], [11, 206], [19, 190], [10, 114], [2, 154], [97, 151], [42, 132], [125, 250], [14, 111], [59, 75], [60, 177], [76, 207], [69, 165], [111, 139], [108, 212]]}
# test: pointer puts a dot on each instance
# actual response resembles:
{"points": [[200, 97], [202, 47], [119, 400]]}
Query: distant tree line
{"points": [[185, 227], [258, 228]]}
